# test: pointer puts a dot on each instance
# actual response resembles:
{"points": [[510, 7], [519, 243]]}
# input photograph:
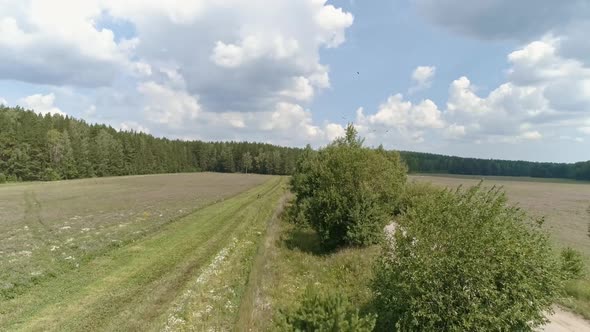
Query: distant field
{"points": [[563, 204], [501, 178], [48, 228]]}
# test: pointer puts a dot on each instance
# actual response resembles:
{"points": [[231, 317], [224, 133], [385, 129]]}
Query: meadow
{"points": [[153, 258]]}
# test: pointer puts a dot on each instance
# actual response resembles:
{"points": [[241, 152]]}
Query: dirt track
{"points": [[564, 321]]}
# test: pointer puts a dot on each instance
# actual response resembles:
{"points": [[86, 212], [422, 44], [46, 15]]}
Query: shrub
{"points": [[325, 313], [465, 261], [415, 192], [572, 264], [348, 193], [50, 175], [3, 178]]}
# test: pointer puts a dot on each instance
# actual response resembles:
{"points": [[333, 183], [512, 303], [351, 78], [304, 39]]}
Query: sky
{"points": [[497, 79]]}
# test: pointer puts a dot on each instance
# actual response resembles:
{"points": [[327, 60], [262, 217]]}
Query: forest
{"points": [[51, 147], [37, 147], [434, 163]]}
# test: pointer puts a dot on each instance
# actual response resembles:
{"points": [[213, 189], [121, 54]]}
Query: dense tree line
{"points": [[434, 163], [50, 147]]}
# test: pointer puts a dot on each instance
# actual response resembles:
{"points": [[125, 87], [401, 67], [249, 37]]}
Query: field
{"points": [[564, 204], [138, 253], [194, 252]]}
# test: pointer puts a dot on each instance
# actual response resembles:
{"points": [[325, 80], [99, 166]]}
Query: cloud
{"points": [[41, 104], [3, 101], [455, 131], [531, 135], [133, 126], [545, 95], [177, 114], [167, 106], [43, 43], [396, 112], [407, 120], [422, 78], [523, 21], [238, 56], [300, 89], [334, 131], [504, 19], [231, 55]]}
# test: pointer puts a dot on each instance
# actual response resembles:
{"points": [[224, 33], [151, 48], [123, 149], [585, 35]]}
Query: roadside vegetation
{"points": [[454, 260], [348, 193], [466, 261], [564, 208]]}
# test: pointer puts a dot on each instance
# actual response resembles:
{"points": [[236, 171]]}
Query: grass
{"points": [[186, 275], [564, 204], [293, 261], [47, 229]]}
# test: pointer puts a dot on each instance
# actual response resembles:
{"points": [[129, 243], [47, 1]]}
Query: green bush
{"points": [[3, 178], [415, 192], [347, 193], [572, 264], [50, 175], [465, 261], [325, 313]]}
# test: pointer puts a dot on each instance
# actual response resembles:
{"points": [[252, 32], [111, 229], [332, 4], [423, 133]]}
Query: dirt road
{"points": [[564, 321]]}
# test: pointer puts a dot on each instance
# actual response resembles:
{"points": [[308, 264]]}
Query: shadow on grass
{"points": [[304, 240]]}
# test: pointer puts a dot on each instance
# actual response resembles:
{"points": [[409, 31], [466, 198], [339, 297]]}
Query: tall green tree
{"points": [[347, 192], [246, 162]]}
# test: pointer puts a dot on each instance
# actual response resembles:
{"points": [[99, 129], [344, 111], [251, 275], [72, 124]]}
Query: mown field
{"points": [[166, 252]]}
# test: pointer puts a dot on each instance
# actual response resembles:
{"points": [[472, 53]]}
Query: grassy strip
{"points": [[250, 312], [293, 262], [579, 297], [132, 287]]}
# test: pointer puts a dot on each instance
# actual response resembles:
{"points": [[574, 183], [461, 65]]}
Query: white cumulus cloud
{"points": [[422, 78], [133, 126], [41, 104]]}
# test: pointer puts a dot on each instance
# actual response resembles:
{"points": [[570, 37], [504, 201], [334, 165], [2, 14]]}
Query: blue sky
{"points": [[490, 79]]}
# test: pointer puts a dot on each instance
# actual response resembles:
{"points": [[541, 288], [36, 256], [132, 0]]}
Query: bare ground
{"points": [[565, 321]]}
